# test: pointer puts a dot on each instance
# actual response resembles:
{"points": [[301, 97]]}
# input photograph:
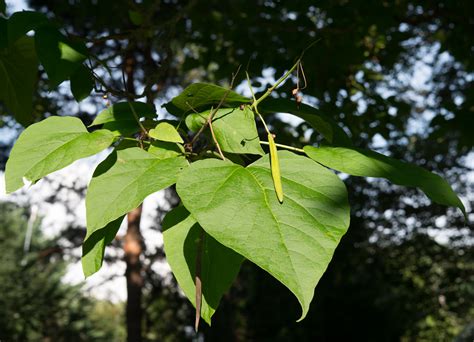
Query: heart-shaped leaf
{"points": [[295, 240], [219, 264]]}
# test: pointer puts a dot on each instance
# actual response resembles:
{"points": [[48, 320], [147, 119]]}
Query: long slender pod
{"points": [[275, 167]]}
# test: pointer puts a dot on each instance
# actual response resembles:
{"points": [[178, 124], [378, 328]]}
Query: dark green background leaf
{"points": [[20, 23], [82, 83], [59, 56], [18, 77]]}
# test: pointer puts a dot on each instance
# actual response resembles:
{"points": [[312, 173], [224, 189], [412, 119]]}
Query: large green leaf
{"points": [[120, 118], [235, 129], [50, 145], [133, 175], [219, 264], [93, 248], [59, 56], [21, 23], [321, 122], [201, 96], [18, 75], [366, 163], [293, 241]]}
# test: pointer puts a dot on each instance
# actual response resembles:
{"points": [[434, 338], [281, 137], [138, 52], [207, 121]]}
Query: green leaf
{"points": [[201, 96], [18, 75], [20, 23], [82, 83], [164, 149], [293, 241], [366, 163], [135, 17], [133, 175], [3, 7], [50, 145], [165, 132], [235, 129], [219, 264], [321, 122], [59, 56], [3, 33], [119, 117], [93, 248]]}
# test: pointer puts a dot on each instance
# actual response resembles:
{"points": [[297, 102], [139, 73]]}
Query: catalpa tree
{"points": [[243, 195]]}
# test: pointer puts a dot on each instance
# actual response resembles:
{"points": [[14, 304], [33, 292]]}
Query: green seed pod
{"points": [[275, 166]]}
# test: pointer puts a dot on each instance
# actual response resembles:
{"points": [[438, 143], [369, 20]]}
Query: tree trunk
{"points": [[133, 249], [133, 244]]}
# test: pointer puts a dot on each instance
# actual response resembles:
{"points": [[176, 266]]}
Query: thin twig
{"points": [[272, 88], [213, 112], [215, 140], [138, 119], [255, 109]]}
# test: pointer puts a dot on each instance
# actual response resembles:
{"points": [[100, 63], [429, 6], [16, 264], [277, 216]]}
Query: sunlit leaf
{"points": [[295, 240], [50, 145]]}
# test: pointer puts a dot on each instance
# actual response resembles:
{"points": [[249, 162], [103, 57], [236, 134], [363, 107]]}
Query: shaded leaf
{"points": [[133, 176], [82, 83], [366, 163], [295, 240], [20, 23], [93, 248], [202, 96], [18, 75], [59, 56], [50, 145], [235, 129], [119, 117], [219, 264]]}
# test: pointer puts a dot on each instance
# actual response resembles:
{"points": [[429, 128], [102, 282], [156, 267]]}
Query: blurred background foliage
{"points": [[398, 75]]}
